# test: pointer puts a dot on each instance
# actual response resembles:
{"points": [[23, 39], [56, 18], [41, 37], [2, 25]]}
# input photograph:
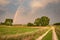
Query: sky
{"points": [[24, 11]]}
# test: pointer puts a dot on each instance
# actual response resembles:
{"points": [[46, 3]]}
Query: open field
{"points": [[21, 33], [15, 30], [28, 33]]}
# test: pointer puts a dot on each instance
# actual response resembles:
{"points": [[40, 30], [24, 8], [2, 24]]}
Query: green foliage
{"points": [[56, 24], [43, 21], [8, 22], [30, 24], [37, 22]]}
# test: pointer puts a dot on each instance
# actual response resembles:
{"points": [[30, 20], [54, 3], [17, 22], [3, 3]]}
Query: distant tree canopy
{"points": [[56, 24], [37, 22], [30, 24], [8, 21], [43, 21]]}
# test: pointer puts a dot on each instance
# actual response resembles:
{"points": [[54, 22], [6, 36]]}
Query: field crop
{"points": [[15, 30], [48, 36], [20, 33], [58, 31]]}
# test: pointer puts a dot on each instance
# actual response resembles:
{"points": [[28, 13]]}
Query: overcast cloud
{"points": [[24, 11]]}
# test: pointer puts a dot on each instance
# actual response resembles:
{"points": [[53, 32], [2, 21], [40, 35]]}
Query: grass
{"points": [[11, 30], [58, 31], [48, 36], [15, 30]]}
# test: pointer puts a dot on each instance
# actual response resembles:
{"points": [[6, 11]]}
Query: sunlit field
{"points": [[21, 33], [15, 30], [28, 32]]}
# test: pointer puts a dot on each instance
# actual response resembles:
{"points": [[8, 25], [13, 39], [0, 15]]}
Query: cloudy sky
{"points": [[24, 11]]}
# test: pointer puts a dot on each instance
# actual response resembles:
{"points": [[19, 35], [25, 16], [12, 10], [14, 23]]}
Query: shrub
{"points": [[30, 24]]}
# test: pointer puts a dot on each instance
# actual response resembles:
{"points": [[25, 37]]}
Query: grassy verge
{"points": [[48, 36], [58, 31]]}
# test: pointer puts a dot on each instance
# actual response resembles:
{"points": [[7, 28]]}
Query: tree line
{"points": [[43, 21]]}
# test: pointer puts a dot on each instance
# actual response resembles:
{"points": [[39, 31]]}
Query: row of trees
{"points": [[56, 23], [43, 21]]}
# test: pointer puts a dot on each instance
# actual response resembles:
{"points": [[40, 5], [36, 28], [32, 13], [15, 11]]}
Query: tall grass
{"points": [[48, 36], [58, 31], [20, 33]]}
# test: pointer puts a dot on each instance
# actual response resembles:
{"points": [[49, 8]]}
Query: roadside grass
{"points": [[58, 31], [48, 36]]}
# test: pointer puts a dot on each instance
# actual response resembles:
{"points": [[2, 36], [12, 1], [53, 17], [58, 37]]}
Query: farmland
{"points": [[58, 31], [48, 36], [21, 33], [28, 32], [15, 30]]}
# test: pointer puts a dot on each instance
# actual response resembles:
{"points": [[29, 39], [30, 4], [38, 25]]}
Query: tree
{"points": [[30, 24], [8, 22], [44, 21], [37, 22]]}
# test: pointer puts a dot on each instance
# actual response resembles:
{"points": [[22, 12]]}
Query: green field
{"points": [[58, 31], [12, 32], [48, 36], [15, 30], [26, 33]]}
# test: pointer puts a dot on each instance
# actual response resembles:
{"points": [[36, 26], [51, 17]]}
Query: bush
{"points": [[30, 24]]}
